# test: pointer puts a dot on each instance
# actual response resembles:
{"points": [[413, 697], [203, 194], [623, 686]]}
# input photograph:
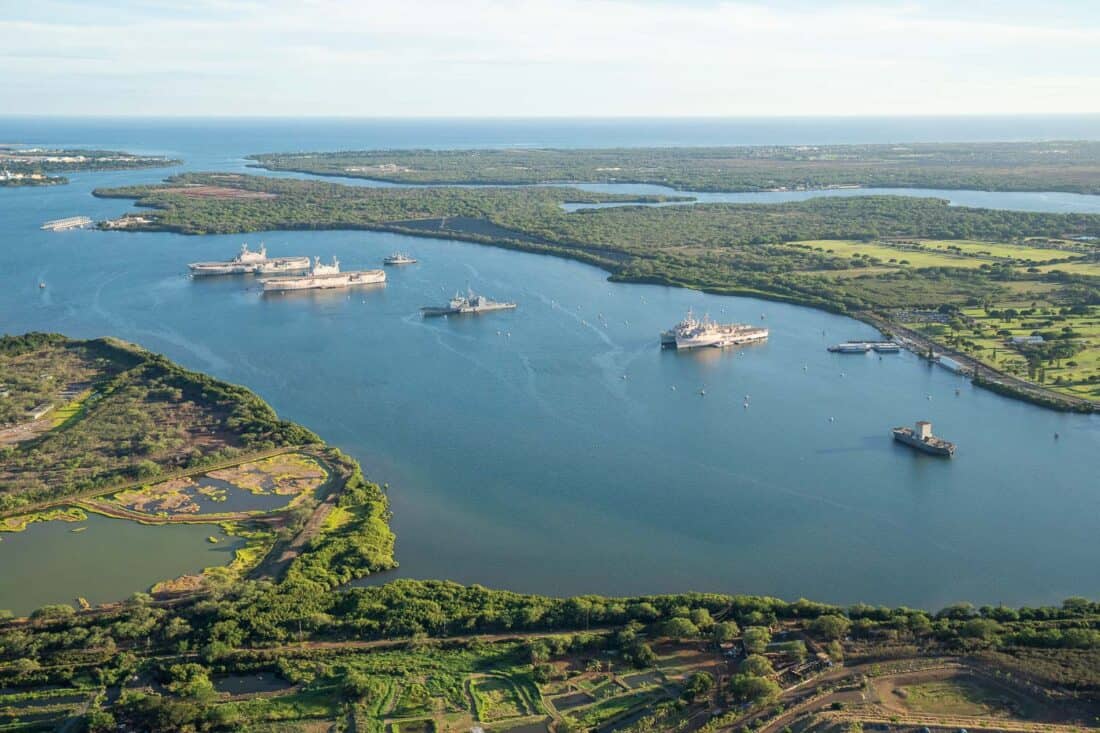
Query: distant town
{"points": [[31, 166]]}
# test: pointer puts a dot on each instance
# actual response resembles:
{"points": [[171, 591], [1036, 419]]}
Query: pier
{"points": [[72, 222]]}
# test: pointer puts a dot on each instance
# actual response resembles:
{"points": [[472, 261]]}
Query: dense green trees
{"points": [[1061, 166], [148, 416]]}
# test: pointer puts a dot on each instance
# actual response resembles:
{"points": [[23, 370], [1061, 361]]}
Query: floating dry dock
{"points": [[923, 440]]}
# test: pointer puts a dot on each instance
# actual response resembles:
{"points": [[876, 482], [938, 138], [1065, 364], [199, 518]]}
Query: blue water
{"points": [[516, 453]]}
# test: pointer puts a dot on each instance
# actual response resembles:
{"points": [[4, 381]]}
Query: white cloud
{"points": [[544, 57]]}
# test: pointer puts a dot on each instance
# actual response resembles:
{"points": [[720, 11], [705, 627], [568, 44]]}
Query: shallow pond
{"points": [[111, 559]]}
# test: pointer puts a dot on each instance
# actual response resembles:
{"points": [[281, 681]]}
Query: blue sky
{"points": [[518, 58]]}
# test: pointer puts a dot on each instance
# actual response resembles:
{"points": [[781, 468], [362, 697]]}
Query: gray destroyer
{"points": [[468, 304], [248, 262]]}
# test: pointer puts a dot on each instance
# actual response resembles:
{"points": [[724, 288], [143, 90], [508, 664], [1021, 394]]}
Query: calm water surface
{"points": [[106, 561], [517, 453]]}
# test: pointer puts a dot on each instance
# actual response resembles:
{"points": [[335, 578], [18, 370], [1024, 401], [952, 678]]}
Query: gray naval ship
{"points": [[466, 304], [248, 262]]}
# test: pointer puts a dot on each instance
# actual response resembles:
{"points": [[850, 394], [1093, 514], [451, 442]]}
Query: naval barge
{"points": [[466, 305], [324, 277], [923, 440], [248, 262], [694, 333]]}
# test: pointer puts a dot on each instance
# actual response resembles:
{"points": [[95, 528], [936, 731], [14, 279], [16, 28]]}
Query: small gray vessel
{"points": [[466, 304]]}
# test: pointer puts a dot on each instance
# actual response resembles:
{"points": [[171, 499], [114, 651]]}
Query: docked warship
{"points": [[324, 277], [695, 333], [923, 440], [466, 304], [248, 262]]}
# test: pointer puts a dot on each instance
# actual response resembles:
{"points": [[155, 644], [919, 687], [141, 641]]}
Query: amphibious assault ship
{"points": [[249, 262], [694, 333], [324, 277], [923, 440], [466, 304]]}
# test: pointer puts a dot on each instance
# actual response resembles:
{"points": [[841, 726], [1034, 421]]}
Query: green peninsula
{"points": [[1072, 166]]}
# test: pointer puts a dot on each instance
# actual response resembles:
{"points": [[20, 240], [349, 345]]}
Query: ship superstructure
{"points": [[695, 333], [470, 303], [324, 277], [249, 262]]}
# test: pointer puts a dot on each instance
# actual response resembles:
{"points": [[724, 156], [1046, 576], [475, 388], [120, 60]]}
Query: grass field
{"points": [[954, 697], [999, 250], [895, 255], [1075, 268]]}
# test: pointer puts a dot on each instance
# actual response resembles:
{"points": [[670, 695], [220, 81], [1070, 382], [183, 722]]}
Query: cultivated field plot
{"points": [[495, 698]]}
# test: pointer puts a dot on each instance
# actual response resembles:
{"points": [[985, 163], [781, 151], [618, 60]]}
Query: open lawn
{"points": [[1075, 268], [955, 696], [999, 250], [894, 255], [1067, 361]]}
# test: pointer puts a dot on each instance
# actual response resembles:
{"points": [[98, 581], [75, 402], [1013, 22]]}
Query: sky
{"points": [[548, 58]]}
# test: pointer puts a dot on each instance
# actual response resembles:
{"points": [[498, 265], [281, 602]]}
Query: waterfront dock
{"points": [[71, 222]]}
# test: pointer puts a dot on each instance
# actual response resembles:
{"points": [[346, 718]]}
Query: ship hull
{"points": [[942, 448], [721, 342], [430, 312], [325, 282], [267, 267], [202, 269]]}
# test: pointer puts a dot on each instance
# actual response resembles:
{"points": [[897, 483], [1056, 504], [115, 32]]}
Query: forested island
{"points": [[1072, 166], [32, 166], [969, 281], [279, 642]]}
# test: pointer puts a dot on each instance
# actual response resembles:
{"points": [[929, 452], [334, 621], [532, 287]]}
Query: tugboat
{"points": [[466, 304], [399, 258], [693, 333], [923, 440]]}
